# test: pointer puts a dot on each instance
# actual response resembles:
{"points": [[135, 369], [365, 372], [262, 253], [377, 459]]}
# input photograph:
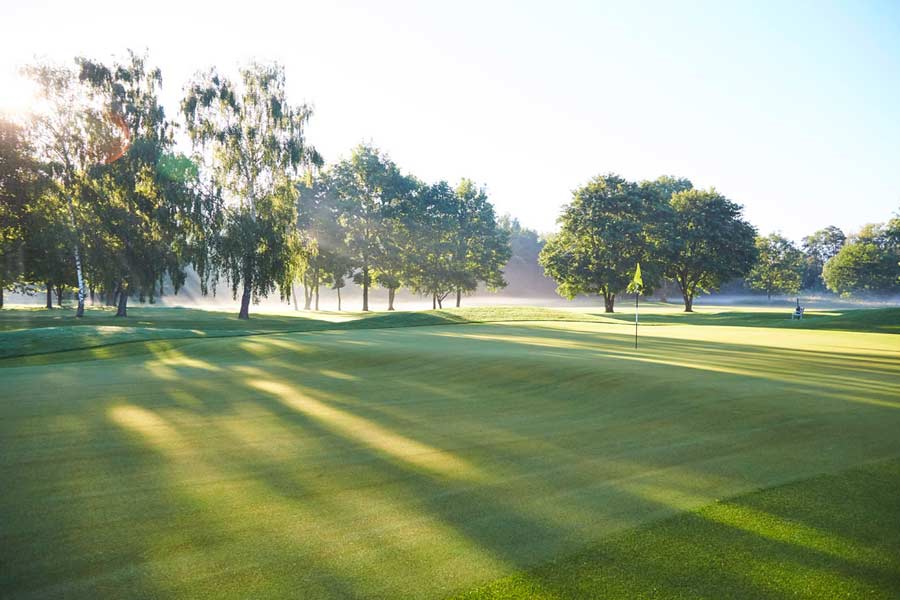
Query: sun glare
{"points": [[17, 94]]}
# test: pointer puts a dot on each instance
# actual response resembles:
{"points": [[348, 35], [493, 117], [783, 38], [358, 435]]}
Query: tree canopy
{"points": [[779, 266], [869, 263], [253, 143], [95, 198], [709, 242], [611, 225]]}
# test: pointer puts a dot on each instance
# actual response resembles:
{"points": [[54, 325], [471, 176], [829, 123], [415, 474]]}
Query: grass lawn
{"points": [[488, 453]]}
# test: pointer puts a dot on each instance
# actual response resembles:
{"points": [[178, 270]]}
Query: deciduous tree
{"points": [[818, 248], [254, 144], [145, 195], [709, 242], [367, 185], [71, 135], [20, 183], [866, 264], [778, 268], [481, 246], [608, 228]]}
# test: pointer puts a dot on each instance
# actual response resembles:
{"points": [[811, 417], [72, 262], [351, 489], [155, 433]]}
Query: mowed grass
{"points": [[490, 453]]}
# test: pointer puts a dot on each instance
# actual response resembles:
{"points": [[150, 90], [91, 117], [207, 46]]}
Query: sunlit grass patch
{"points": [[422, 454], [835, 536]]}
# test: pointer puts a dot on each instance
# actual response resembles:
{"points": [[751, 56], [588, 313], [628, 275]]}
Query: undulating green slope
{"points": [[386, 461], [832, 536], [25, 332]]}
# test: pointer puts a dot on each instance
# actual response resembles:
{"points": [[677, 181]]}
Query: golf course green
{"points": [[478, 453]]}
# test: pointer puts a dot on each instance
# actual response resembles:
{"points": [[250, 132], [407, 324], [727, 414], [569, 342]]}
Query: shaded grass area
{"points": [[421, 461], [25, 332], [874, 320], [834, 536]]}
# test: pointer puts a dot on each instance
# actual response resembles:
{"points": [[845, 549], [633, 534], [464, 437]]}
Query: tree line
{"points": [[96, 198], [698, 240]]}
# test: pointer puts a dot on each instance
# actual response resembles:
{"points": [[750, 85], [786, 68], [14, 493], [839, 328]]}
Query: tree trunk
{"points": [[609, 301], [49, 295], [315, 285], [687, 292], [294, 296], [81, 289], [365, 289], [440, 302], [307, 294], [458, 296], [245, 299], [91, 291], [1, 296], [433, 301], [122, 311], [339, 299], [391, 292], [248, 289], [59, 294]]}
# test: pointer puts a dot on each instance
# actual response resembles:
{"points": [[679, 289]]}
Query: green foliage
{"points": [[708, 242], [253, 142], [325, 259], [868, 264], [610, 225], [779, 266], [20, 183], [71, 135], [398, 231], [368, 187], [819, 247], [523, 271], [147, 201], [432, 219], [482, 247]]}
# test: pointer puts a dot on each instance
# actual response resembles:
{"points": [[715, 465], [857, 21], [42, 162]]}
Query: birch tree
{"points": [[253, 144]]}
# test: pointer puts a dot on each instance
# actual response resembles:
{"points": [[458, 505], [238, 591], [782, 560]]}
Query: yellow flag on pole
{"points": [[637, 286]]}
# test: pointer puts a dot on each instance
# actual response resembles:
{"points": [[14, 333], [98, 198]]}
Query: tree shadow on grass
{"points": [[411, 463], [830, 536]]}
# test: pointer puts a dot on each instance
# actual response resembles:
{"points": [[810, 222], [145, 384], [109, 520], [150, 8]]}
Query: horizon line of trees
{"points": [[698, 240], [96, 198]]}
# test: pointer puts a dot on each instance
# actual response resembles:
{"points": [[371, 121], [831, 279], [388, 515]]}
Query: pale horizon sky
{"points": [[792, 110]]}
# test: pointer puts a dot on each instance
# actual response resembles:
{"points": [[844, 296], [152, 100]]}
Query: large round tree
{"points": [[610, 226], [708, 242], [869, 264]]}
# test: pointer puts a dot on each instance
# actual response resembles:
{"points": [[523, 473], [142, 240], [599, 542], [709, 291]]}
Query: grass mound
{"points": [[835, 536], [33, 332]]}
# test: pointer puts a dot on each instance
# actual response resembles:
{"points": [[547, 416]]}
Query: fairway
{"points": [[503, 452]]}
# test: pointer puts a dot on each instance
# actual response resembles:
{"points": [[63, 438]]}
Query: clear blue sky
{"points": [[791, 108]]}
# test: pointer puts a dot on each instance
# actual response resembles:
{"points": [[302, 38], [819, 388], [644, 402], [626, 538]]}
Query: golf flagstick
{"points": [[637, 284], [636, 296]]}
